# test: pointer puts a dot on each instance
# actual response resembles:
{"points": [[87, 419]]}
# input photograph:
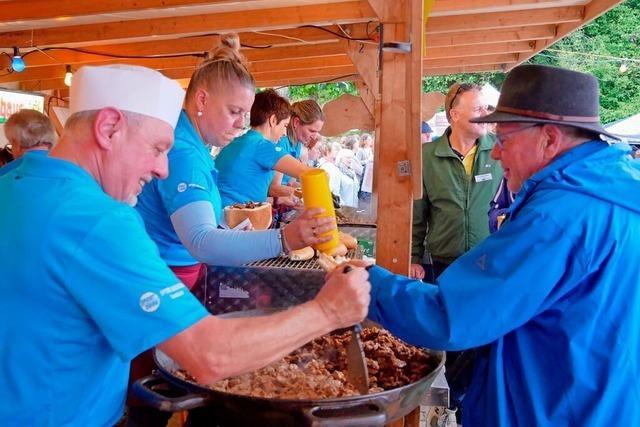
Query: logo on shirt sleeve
{"points": [[182, 187], [149, 302]]}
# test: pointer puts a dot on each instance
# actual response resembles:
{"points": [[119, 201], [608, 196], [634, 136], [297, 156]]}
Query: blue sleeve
{"points": [[493, 289], [195, 225], [122, 283], [189, 181], [266, 154]]}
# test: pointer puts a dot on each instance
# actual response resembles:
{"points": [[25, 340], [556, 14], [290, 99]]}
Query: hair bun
{"points": [[231, 40], [227, 50]]}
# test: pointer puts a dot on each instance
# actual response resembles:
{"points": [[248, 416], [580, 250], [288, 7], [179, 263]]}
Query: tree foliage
{"points": [[599, 48]]}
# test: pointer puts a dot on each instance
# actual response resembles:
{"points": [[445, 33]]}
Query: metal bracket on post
{"points": [[396, 47]]}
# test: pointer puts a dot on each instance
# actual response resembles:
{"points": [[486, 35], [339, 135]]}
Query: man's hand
{"points": [[416, 272], [306, 230], [345, 297]]}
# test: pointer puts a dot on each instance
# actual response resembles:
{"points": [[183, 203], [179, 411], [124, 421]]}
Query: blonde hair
{"points": [[30, 128], [307, 111], [224, 64]]}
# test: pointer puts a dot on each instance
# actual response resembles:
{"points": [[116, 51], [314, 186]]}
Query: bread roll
{"points": [[349, 241], [340, 250], [302, 254], [258, 213]]}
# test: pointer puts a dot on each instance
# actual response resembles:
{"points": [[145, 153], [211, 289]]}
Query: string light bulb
{"points": [[68, 76], [17, 63]]}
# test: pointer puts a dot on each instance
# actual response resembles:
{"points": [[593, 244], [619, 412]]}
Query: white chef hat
{"points": [[127, 88]]}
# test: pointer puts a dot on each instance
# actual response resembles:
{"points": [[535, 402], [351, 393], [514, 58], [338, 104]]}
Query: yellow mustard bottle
{"points": [[316, 194]]}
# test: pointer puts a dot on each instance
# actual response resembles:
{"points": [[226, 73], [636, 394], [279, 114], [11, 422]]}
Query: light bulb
{"points": [[17, 63], [68, 76]]}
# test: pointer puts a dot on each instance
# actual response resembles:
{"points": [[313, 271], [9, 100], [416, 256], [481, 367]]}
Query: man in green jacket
{"points": [[459, 179]]}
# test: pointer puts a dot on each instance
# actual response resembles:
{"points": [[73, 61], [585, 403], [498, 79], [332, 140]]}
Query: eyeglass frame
{"points": [[500, 138]]}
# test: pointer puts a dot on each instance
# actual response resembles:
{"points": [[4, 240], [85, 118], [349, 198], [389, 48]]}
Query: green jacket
{"points": [[453, 211]]}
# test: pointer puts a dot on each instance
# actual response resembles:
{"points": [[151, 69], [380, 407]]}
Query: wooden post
{"points": [[398, 167]]}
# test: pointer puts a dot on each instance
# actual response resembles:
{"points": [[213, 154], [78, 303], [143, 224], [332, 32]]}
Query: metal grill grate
{"points": [[310, 264]]}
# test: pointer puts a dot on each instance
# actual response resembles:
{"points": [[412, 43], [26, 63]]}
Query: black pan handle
{"points": [[172, 398], [367, 414]]}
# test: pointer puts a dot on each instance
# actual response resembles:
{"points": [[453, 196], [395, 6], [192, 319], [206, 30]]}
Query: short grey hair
{"points": [[30, 128], [88, 116]]}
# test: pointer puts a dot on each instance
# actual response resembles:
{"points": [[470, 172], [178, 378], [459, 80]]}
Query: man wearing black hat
{"points": [[554, 294]]}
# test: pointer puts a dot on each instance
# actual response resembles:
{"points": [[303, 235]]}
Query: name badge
{"points": [[483, 177]]}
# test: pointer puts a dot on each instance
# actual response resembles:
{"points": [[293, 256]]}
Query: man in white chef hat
{"points": [[84, 289]]}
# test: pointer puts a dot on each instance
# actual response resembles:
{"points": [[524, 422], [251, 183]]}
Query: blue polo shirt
{"points": [[294, 150], [84, 290], [246, 168], [15, 163], [192, 178]]}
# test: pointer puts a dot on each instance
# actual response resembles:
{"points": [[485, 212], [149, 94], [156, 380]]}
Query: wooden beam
{"points": [[21, 10], [284, 17], [365, 58], [485, 49], [474, 37], [591, 11], [399, 132], [501, 20]]}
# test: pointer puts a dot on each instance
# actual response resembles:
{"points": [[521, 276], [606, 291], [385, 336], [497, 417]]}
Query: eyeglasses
{"points": [[462, 88], [500, 139]]}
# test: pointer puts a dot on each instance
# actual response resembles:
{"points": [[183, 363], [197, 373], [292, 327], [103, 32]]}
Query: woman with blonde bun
{"points": [[182, 212]]}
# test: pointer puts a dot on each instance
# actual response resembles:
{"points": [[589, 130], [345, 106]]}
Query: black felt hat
{"points": [[543, 94]]}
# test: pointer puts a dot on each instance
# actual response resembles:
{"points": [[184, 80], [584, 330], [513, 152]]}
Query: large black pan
{"points": [[168, 392]]}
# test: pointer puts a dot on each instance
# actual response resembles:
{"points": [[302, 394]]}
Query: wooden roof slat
{"points": [[484, 49], [502, 20], [504, 58], [474, 37], [448, 7], [185, 45], [317, 14], [295, 55], [21, 10], [465, 69]]}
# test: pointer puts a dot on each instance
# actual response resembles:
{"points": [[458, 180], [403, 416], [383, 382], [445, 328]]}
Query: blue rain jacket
{"points": [[555, 293]]}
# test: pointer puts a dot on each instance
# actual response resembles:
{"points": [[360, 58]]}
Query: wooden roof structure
{"points": [[385, 46], [287, 41]]}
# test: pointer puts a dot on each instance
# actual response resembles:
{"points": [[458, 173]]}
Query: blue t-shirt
{"points": [[246, 168], [84, 290], [15, 163], [192, 178], [294, 150]]}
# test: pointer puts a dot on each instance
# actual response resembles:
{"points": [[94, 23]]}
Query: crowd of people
{"points": [[106, 229]]}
